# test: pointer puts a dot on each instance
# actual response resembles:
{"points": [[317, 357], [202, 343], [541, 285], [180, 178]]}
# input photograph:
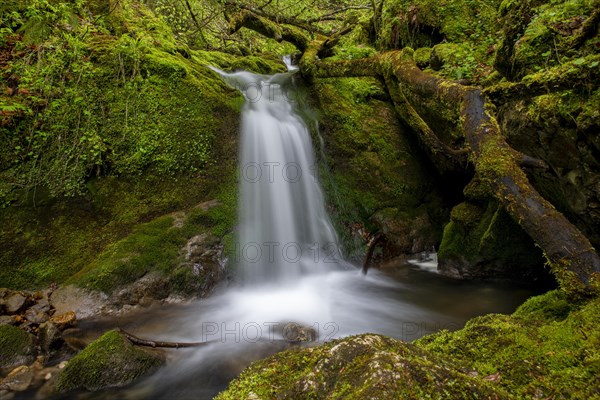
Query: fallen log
{"points": [[570, 255]]}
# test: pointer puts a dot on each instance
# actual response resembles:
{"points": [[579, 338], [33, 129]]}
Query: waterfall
{"points": [[284, 229]]}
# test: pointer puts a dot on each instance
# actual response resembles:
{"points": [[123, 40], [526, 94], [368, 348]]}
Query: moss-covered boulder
{"points": [[366, 366], [378, 178], [110, 361], [549, 348], [17, 347]]}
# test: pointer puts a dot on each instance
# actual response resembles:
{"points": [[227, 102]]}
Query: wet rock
{"points": [[84, 303], [17, 347], [110, 361], [38, 313], [6, 395], [18, 380], [49, 336], [14, 303], [196, 246], [8, 319], [153, 286], [63, 321], [296, 333], [203, 268], [405, 234]]}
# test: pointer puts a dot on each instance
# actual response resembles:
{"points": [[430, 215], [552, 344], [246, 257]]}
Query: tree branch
{"points": [[268, 28]]}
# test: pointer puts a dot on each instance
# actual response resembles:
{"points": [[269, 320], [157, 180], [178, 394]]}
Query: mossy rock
{"points": [[547, 38], [366, 366], [110, 361], [17, 347], [374, 164], [548, 348], [422, 56]]}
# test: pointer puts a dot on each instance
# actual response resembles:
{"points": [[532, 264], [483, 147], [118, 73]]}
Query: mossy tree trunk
{"points": [[571, 256]]}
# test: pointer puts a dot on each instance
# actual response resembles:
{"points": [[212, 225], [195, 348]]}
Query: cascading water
{"points": [[284, 230]]}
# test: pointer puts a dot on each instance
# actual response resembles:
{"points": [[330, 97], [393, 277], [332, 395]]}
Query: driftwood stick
{"points": [[153, 343]]}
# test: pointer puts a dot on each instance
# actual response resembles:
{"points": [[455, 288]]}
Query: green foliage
{"points": [[546, 41], [89, 102]]}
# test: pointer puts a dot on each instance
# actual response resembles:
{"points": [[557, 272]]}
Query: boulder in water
{"points": [[17, 347], [366, 366], [110, 361]]}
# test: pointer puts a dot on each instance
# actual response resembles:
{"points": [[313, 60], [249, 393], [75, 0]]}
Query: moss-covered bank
{"points": [[107, 123], [17, 347], [547, 349]]}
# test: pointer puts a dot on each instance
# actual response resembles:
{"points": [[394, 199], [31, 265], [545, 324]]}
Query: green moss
{"points": [[373, 164], [480, 237], [156, 246], [358, 367], [16, 346], [469, 27], [552, 306], [107, 362], [422, 56], [547, 348], [129, 125], [547, 39]]}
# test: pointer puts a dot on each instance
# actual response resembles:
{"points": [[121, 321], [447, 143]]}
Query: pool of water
{"points": [[405, 302]]}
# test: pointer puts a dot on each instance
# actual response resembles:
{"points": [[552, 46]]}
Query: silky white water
{"points": [[284, 230]]}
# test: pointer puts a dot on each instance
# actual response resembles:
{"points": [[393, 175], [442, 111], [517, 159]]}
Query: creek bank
{"points": [[38, 328]]}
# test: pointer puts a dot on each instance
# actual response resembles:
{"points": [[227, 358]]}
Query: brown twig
{"points": [[153, 343]]}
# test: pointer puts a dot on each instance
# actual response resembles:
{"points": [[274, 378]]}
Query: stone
{"points": [[63, 321], [17, 347], [18, 380], [8, 320], [296, 333], [84, 303], [152, 286], [14, 303], [38, 313], [49, 336], [6, 395]]}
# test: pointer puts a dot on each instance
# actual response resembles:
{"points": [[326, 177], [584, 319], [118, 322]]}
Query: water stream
{"points": [[290, 268]]}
